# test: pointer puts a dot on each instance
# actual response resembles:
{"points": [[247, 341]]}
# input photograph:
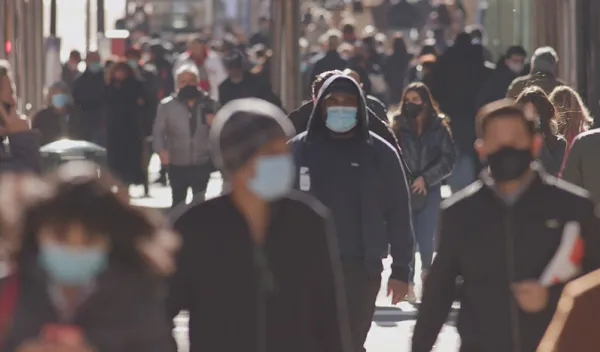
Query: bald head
{"points": [[352, 74]]}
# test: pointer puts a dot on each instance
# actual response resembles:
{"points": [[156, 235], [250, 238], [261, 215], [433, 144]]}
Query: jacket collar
{"points": [[537, 177]]}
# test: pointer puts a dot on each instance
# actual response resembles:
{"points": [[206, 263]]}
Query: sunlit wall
{"points": [[71, 19]]}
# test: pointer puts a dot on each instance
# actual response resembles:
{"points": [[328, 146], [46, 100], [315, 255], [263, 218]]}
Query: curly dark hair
{"points": [[79, 196]]}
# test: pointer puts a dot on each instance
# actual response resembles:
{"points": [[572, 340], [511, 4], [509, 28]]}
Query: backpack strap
{"points": [[9, 292]]}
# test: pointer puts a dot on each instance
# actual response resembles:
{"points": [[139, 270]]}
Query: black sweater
{"points": [[216, 279]]}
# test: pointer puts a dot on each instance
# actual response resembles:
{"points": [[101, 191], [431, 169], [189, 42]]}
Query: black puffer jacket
{"points": [[432, 154]]}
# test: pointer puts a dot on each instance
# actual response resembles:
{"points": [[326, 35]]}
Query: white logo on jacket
{"points": [[304, 179]]}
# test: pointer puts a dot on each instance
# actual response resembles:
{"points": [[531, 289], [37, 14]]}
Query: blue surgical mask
{"points": [[60, 100], [132, 63], [72, 266], [274, 176], [95, 67], [341, 119], [303, 66]]}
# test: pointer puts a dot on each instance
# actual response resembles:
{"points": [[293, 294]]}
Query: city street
{"points": [[392, 325]]}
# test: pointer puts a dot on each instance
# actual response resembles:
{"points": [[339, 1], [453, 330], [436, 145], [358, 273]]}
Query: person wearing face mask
{"points": [[498, 235], [61, 119], [148, 74], [540, 108], [509, 67], [180, 136], [83, 283], [331, 58], [208, 62], [430, 153], [89, 92], [242, 83], [360, 178], [261, 252]]}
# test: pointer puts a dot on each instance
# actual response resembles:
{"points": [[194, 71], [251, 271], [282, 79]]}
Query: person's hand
{"points": [[397, 289], [418, 186], [209, 119], [164, 157], [531, 296], [12, 122]]}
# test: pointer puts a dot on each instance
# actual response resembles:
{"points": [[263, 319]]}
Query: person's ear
{"points": [[362, 86], [480, 149], [536, 146]]}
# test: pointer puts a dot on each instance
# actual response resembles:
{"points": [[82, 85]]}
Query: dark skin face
{"points": [[339, 99]]}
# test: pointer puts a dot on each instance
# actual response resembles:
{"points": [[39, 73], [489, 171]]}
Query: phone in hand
{"points": [[63, 334]]}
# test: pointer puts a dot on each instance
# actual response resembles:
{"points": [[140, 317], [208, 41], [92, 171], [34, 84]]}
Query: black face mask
{"points": [[188, 92], [413, 110], [509, 163]]}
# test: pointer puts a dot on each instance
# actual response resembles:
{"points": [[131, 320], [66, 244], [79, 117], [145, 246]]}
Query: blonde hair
{"points": [[571, 111]]}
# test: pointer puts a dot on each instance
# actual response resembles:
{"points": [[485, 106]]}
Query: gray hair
{"points": [[187, 68], [544, 60], [241, 128]]}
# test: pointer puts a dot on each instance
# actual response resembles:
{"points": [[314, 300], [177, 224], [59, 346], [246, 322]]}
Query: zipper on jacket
{"points": [[510, 266]]}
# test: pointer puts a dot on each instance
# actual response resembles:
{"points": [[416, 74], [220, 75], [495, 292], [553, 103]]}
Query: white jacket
{"points": [[213, 65]]}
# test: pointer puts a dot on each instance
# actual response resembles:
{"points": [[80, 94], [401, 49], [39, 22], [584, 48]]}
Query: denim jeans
{"points": [[463, 173], [424, 224]]}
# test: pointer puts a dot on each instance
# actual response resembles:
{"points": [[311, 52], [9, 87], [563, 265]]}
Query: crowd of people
{"points": [[352, 176]]}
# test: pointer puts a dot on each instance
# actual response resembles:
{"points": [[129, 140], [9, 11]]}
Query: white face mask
{"points": [[516, 68]]}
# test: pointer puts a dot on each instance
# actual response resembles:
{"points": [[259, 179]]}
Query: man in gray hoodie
{"points": [[19, 145]]}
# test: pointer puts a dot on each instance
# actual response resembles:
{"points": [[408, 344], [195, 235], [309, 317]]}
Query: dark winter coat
{"points": [[495, 87], [492, 245], [582, 167], [432, 154], [89, 94], [125, 132], [251, 86], [546, 81], [219, 269], [23, 153], [384, 196], [396, 68], [54, 125], [332, 60]]}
